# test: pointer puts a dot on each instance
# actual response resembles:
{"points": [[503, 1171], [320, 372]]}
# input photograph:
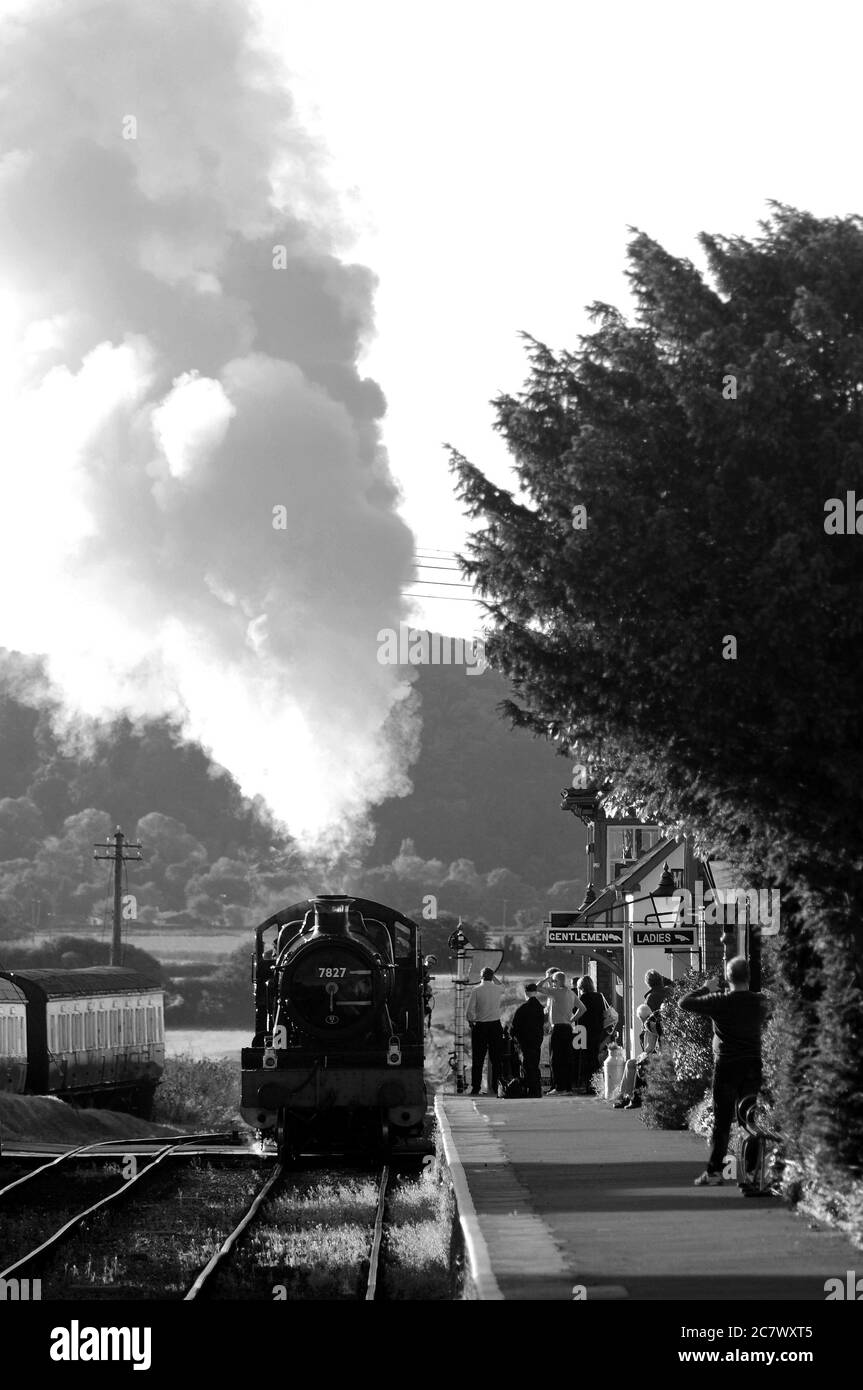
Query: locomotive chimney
{"points": [[332, 914]]}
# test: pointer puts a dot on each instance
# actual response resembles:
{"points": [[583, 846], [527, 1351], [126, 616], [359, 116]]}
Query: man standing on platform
{"points": [[561, 1002], [738, 1015], [528, 1027], [483, 1014]]}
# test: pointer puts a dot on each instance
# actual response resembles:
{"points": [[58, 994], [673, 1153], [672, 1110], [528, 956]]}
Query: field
{"points": [[180, 946], [188, 947]]}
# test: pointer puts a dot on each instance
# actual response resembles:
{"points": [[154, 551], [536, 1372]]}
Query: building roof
{"points": [[632, 876]]}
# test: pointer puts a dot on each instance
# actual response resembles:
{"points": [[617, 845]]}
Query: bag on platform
{"points": [[610, 1018], [512, 1090]]}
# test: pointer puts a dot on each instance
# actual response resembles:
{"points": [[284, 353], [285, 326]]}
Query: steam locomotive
{"points": [[95, 1036], [336, 1062]]}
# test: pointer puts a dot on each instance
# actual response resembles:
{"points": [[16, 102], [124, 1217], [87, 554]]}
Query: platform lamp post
{"points": [[463, 949], [666, 887]]}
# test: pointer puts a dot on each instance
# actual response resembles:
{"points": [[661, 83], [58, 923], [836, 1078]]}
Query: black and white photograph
{"points": [[431, 660]]}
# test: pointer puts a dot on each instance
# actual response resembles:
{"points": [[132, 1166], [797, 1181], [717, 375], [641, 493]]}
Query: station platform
{"points": [[566, 1194]]}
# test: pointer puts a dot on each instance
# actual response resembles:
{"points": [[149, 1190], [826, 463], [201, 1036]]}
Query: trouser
{"points": [[586, 1063], [487, 1038], [731, 1081], [629, 1078], [530, 1066], [560, 1051]]}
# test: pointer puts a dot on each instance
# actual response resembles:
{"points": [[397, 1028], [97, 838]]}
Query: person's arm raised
{"points": [[697, 1001]]}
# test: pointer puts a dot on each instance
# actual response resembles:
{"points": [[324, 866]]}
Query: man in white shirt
{"points": [[561, 1002], [483, 1013]]}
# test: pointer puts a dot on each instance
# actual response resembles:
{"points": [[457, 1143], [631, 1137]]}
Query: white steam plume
{"points": [[166, 383]]}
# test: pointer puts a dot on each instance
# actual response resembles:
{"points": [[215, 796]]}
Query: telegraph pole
{"points": [[119, 849]]}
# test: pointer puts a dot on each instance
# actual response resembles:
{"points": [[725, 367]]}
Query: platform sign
{"points": [[670, 936], [583, 936]]}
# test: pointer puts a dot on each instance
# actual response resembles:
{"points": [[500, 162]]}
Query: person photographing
{"points": [[738, 1015]]}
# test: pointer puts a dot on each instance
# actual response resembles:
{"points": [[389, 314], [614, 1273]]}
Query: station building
{"points": [[635, 876]]}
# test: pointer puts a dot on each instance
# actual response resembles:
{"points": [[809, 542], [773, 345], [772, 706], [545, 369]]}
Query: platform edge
{"points": [[482, 1274]]}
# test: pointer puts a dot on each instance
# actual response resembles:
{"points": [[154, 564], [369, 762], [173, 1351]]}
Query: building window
{"points": [[626, 843]]}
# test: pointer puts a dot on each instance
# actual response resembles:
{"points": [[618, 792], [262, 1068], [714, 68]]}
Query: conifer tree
{"points": [[669, 595]]}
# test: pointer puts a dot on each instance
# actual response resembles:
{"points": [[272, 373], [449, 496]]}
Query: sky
{"points": [[270, 260], [492, 156]]}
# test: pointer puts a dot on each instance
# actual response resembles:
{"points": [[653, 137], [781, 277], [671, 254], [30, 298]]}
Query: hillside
{"points": [[481, 827]]}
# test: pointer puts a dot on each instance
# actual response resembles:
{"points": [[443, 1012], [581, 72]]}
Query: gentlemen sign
{"points": [[676, 936], [584, 936]]}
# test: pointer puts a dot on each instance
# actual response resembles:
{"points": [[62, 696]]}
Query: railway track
{"points": [[205, 1281], [377, 1237], [119, 1194]]}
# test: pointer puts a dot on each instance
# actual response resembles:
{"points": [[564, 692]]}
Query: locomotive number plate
{"points": [[332, 972]]}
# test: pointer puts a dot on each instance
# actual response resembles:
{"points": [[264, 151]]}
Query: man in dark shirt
{"points": [[527, 1027], [737, 1015]]}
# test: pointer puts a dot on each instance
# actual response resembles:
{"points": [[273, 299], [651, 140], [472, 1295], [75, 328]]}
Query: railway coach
{"points": [[94, 1036], [13, 1037]]}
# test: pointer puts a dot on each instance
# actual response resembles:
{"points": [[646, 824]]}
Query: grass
{"points": [[154, 1247], [199, 1092], [418, 1240], [312, 1242]]}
